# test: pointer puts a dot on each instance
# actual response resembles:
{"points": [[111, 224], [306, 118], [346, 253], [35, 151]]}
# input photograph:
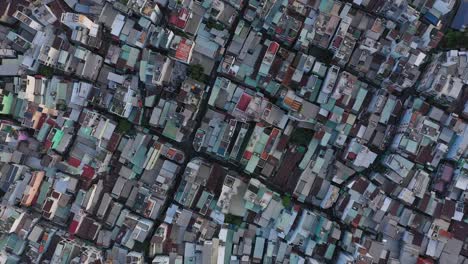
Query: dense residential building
{"points": [[232, 131]]}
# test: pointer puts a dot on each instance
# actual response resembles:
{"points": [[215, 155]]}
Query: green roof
{"points": [[43, 132], [79, 197], [207, 4], [3, 241], [43, 191], [325, 139], [412, 146], [352, 213], [63, 57], [170, 130], [329, 105], [294, 258], [417, 103], [80, 53], [347, 129], [359, 99], [338, 110], [261, 143], [264, 69], [214, 95], [16, 243], [69, 123], [326, 6], [310, 246], [57, 138], [223, 127], [204, 197], [19, 111], [259, 246], [85, 132], [310, 151], [228, 246], [136, 170], [330, 251], [12, 259], [272, 87], [284, 220], [252, 164], [7, 102], [63, 212], [387, 111], [7, 129], [245, 70], [130, 55], [318, 165], [140, 156], [315, 90]]}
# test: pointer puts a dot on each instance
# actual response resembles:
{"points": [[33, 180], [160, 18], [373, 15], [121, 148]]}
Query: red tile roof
{"points": [[425, 261], [183, 50], [352, 156], [47, 144], [244, 102], [247, 155], [74, 162], [42, 119], [337, 42], [273, 48], [445, 233], [73, 227], [447, 173], [180, 18], [113, 142], [282, 143], [88, 172]]}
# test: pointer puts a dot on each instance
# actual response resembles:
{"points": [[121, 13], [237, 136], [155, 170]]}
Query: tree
{"points": [[123, 126], [301, 136], [45, 71], [286, 201], [196, 72], [211, 23], [323, 55], [454, 39], [233, 219]]}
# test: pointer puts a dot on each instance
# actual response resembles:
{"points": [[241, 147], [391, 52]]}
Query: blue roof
{"points": [[461, 19], [453, 149], [82, 8], [431, 18]]}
